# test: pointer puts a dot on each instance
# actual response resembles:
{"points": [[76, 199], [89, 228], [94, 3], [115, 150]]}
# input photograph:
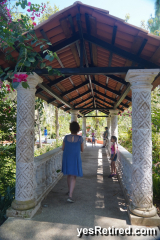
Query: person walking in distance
{"points": [[45, 135], [113, 158], [105, 137], [71, 161], [93, 138]]}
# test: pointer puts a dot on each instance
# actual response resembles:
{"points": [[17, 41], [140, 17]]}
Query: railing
{"points": [[46, 175], [124, 168]]}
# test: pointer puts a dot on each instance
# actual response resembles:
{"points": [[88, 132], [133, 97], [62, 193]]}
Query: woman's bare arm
{"points": [[82, 147], [63, 145]]}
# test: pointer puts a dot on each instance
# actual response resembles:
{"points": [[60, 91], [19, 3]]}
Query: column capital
{"points": [[33, 80], [74, 111], [141, 78], [114, 112]]}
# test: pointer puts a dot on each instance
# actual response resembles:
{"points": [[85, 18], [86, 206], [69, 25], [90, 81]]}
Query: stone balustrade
{"points": [[46, 176], [124, 170]]}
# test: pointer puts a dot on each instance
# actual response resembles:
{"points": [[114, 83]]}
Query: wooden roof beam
{"points": [[123, 96], [52, 83], [73, 99], [111, 90], [54, 94], [88, 71], [113, 41], [112, 99], [70, 91], [60, 45], [78, 18], [83, 102], [118, 51]]}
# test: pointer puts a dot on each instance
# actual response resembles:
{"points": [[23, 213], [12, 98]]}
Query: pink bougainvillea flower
{"points": [[29, 4], [34, 10], [20, 78], [131, 129], [33, 18], [28, 10], [129, 115], [34, 24]]}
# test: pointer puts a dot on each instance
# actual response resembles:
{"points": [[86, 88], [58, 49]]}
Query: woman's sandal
{"points": [[69, 199], [111, 175]]}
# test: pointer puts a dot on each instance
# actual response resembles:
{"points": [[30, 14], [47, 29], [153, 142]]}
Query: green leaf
{"points": [[33, 42], [25, 85], [29, 36], [27, 63], [51, 58], [50, 72], [47, 57], [58, 171], [21, 39], [6, 68], [31, 59], [15, 84], [2, 74], [41, 47], [42, 65]]}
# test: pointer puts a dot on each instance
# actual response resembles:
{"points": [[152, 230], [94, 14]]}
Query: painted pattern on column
{"points": [[142, 149]]}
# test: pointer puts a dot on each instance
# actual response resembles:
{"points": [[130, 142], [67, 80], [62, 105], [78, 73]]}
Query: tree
{"points": [[127, 17], [48, 12], [154, 23]]}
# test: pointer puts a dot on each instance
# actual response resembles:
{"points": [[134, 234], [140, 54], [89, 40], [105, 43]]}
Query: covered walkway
{"points": [[99, 201]]}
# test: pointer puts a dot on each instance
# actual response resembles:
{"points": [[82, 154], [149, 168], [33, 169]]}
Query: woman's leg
{"points": [[114, 167], [68, 181], [72, 185]]}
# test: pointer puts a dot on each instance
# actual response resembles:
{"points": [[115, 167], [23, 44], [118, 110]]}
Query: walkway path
{"points": [[98, 202]]}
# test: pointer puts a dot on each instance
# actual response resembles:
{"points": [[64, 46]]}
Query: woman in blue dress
{"points": [[71, 162]]}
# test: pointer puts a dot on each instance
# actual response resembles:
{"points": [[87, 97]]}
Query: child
{"points": [[93, 138], [45, 134], [113, 156], [71, 162]]}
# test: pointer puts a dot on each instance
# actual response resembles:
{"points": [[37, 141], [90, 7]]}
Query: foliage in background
{"points": [[8, 112], [47, 148], [48, 12]]}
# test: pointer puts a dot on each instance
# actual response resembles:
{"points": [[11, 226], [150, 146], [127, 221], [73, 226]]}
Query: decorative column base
{"points": [[143, 212], [23, 205], [143, 221], [28, 213]]}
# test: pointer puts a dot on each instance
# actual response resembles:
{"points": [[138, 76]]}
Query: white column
{"points": [[142, 192], [25, 183], [74, 114], [114, 123], [109, 126], [84, 129], [109, 133]]}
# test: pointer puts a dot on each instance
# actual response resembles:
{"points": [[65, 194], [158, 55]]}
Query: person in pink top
{"points": [[113, 156], [93, 138]]}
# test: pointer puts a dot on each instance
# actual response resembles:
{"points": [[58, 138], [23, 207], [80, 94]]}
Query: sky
{"points": [[138, 9]]}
